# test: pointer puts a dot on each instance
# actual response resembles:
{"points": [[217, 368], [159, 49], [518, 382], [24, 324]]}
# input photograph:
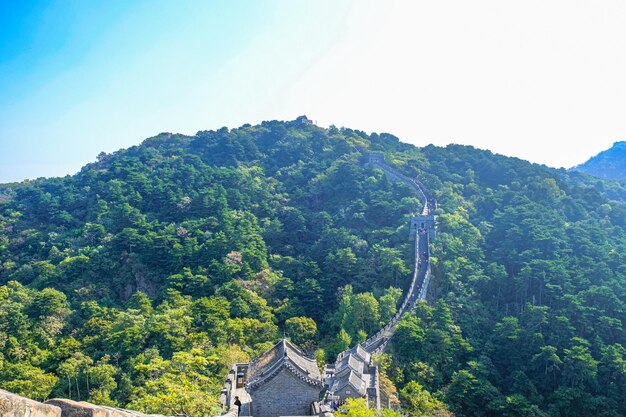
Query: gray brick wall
{"points": [[347, 392], [284, 395]]}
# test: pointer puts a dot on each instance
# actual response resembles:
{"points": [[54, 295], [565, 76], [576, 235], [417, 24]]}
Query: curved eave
{"points": [[292, 368]]}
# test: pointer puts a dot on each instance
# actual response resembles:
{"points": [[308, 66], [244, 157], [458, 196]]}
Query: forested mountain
{"points": [[138, 281], [609, 164]]}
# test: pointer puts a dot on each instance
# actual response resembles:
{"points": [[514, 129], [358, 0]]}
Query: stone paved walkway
{"points": [[245, 399]]}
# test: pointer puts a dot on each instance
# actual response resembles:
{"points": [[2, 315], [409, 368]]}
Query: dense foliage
{"points": [[139, 280], [530, 289]]}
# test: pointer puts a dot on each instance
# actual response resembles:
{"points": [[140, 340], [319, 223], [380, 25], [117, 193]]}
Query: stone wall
{"points": [[78, 409], [71, 408], [284, 395], [347, 392], [12, 405]]}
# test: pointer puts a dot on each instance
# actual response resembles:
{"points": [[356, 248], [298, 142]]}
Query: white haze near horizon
{"points": [[540, 80]]}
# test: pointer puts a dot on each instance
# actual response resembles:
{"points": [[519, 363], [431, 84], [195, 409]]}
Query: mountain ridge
{"points": [[608, 164], [195, 252]]}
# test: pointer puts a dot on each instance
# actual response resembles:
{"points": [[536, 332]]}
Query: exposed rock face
{"points": [[119, 412], [71, 408], [79, 409], [12, 405]]}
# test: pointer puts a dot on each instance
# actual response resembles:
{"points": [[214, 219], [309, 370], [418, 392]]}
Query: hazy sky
{"points": [[541, 80]]}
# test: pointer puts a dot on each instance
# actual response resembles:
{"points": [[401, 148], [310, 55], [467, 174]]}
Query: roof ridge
{"points": [[298, 350], [271, 362], [347, 379], [288, 364]]}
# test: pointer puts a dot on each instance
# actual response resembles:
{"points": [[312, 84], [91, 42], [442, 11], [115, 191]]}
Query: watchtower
{"points": [[423, 223], [375, 158], [304, 120], [283, 382]]}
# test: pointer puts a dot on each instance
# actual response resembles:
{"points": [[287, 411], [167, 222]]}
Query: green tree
{"points": [[419, 403], [355, 407], [27, 380], [301, 329]]}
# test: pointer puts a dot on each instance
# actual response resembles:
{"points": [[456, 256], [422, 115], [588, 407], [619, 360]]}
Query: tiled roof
{"points": [[350, 378], [283, 355], [350, 361], [360, 352]]}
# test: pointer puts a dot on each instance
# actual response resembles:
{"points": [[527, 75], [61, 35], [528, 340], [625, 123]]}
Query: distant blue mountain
{"points": [[609, 164]]}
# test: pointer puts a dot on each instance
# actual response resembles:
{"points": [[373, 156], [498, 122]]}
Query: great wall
{"points": [[354, 368], [422, 227], [261, 385]]}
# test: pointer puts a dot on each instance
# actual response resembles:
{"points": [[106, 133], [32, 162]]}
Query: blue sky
{"points": [[80, 77], [538, 80]]}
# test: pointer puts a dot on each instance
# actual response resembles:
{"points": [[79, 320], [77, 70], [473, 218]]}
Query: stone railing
{"points": [[232, 411], [228, 393], [229, 387]]}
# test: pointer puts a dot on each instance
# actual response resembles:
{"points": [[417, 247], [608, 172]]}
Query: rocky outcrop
{"points": [[119, 412], [71, 408], [78, 409], [12, 405]]}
